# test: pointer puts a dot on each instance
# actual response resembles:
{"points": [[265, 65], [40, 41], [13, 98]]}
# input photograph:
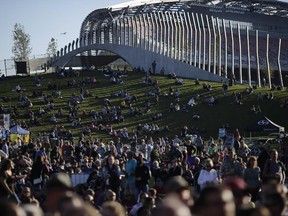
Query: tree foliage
{"points": [[52, 47], [21, 47]]}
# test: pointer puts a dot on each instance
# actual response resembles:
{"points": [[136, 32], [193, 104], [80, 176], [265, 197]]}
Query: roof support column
{"points": [[209, 43], [118, 32], [169, 49], [189, 38], [147, 20], [134, 31], [257, 60], [267, 61], [165, 48], [142, 43], [214, 45], [144, 33], [124, 30], [180, 38], [153, 31], [129, 26], [219, 48], [240, 54], [184, 47], [279, 64], [195, 40], [174, 34], [138, 32], [161, 33], [204, 43], [157, 33], [200, 41], [232, 50], [113, 32], [226, 49], [248, 56]]}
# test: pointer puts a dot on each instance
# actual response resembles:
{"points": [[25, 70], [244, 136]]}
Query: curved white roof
{"points": [[136, 3]]}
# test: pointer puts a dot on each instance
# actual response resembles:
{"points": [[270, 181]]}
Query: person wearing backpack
{"points": [[274, 169]]}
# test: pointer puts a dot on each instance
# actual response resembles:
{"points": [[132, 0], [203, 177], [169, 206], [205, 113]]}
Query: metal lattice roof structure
{"points": [[102, 18], [215, 36]]}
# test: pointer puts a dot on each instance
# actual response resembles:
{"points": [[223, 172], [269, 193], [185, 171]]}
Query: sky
{"points": [[44, 19]]}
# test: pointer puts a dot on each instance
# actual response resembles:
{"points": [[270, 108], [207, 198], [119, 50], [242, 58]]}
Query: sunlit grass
{"points": [[211, 117]]}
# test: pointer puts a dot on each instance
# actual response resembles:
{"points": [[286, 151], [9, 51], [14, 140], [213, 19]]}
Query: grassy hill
{"points": [[211, 117]]}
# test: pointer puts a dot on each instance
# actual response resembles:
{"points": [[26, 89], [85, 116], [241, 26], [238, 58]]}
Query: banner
{"points": [[6, 121]]}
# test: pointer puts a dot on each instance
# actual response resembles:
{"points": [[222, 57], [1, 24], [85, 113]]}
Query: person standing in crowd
{"points": [[230, 166], [7, 179], [217, 160], [112, 176], [225, 88], [251, 176], [38, 171], [160, 173], [155, 153], [208, 175], [143, 148], [176, 169], [196, 169], [199, 143], [130, 167], [142, 175], [236, 134], [243, 150], [274, 169]]}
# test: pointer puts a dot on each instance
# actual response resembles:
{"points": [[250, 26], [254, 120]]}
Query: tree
{"points": [[52, 47], [21, 47]]}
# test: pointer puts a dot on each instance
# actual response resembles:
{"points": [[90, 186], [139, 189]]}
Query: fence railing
{"points": [[7, 67]]}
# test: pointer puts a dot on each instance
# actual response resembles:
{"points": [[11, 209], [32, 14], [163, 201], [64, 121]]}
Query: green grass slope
{"points": [[211, 117]]}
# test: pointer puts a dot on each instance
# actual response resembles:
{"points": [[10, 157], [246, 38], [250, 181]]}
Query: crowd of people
{"points": [[155, 177], [144, 176]]}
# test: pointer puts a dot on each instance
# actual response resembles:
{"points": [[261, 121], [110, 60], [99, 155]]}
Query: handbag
{"points": [[37, 180]]}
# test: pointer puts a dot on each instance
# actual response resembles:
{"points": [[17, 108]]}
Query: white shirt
{"points": [[207, 176]]}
